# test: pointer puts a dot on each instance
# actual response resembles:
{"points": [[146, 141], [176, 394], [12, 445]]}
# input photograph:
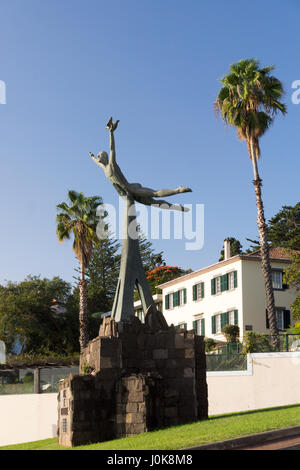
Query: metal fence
{"points": [[33, 380], [233, 356], [226, 362]]}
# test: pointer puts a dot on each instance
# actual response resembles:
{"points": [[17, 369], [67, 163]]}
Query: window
{"points": [[280, 319], [198, 291], [218, 323], [225, 282], [231, 280], [199, 326], [182, 296], [277, 279], [218, 284], [222, 319], [283, 318], [231, 317], [175, 299]]}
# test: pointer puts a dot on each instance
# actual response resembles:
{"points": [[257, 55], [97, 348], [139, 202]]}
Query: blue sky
{"points": [[69, 65]]}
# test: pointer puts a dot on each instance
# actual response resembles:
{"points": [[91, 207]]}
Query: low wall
{"points": [[25, 418], [271, 379]]}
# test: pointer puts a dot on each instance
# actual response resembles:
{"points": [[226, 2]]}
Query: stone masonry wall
{"points": [[138, 380]]}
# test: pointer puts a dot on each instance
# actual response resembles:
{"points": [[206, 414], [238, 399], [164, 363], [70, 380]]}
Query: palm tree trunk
{"points": [[83, 323], [264, 249]]}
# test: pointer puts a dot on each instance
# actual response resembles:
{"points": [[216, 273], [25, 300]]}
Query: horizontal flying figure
{"points": [[134, 191]]}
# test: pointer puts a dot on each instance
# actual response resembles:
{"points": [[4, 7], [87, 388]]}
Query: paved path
{"points": [[280, 444]]}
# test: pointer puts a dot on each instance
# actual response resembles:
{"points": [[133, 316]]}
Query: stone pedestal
{"points": [[133, 379]]}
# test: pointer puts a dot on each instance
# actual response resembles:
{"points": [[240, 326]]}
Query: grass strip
{"points": [[216, 428]]}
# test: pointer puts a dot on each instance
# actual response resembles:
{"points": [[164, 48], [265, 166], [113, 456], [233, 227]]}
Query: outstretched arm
{"points": [[112, 155], [112, 126], [96, 160]]}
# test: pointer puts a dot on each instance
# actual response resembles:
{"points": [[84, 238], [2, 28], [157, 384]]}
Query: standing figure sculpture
{"points": [[132, 274]]}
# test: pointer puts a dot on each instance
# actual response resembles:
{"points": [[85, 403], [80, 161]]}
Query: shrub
{"points": [[256, 342], [231, 333], [210, 344]]}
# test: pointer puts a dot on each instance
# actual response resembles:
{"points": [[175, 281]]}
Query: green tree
{"points": [[103, 273], [248, 101], [284, 228], [28, 316], [235, 248], [80, 219], [292, 278], [150, 258]]}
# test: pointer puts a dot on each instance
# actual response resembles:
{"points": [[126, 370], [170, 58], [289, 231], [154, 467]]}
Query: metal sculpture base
{"points": [[132, 273]]}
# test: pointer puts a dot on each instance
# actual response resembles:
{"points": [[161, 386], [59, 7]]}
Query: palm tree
{"points": [[248, 101], [80, 219]]}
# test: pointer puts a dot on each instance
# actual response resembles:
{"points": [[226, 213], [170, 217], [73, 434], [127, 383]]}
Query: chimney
{"points": [[227, 253]]}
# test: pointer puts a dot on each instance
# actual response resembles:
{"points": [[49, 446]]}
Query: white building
{"points": [[230, 291]]}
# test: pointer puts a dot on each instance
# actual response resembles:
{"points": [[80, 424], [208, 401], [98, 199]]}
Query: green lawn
{"points": [[216, 428]]}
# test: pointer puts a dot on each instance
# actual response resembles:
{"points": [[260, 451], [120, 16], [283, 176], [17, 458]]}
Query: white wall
{"points": [[272, 379], [25, 418]]}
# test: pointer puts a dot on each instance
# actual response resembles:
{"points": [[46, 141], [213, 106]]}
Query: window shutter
{"points": [[236, 317], [234, 278], [195, 326], [202, 327], [202, 290], [194, 292], [176, 327], [286, 319], [224, 319], [213, 286], [213, 324], [184, 296], [224, 282], [167, 302]]}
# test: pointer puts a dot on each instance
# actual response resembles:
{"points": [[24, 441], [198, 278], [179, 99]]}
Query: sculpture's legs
{"points": [[132, 273]]}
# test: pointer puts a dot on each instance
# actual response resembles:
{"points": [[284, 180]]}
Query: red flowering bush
{"points": [[162, 274]]}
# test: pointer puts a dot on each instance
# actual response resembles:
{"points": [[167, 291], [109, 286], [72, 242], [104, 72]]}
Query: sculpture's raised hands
{"points": [[112, 126]]}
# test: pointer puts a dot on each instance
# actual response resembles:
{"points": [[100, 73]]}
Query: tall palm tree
{"points": [[248, 101], [80, 219]]}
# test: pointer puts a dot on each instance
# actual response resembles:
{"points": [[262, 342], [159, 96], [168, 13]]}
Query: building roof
{"points": [[276, 254]]}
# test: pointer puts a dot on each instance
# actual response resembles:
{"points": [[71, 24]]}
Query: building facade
{"points": [[229, 292]]}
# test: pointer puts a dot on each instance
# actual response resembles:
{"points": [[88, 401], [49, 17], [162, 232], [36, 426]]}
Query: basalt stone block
{"points": [[176, 353], [160, 354], [179, 341]]}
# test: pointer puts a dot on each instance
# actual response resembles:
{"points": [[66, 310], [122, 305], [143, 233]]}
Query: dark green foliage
{"points": [[27, 316], [292, 279], [284, 228], [231, 333], [256, 342], [235, 248], [210, 344], [150, 258], [102, 273]]}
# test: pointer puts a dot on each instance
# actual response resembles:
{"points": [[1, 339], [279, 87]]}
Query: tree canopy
{"points": [[39, 315]]}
